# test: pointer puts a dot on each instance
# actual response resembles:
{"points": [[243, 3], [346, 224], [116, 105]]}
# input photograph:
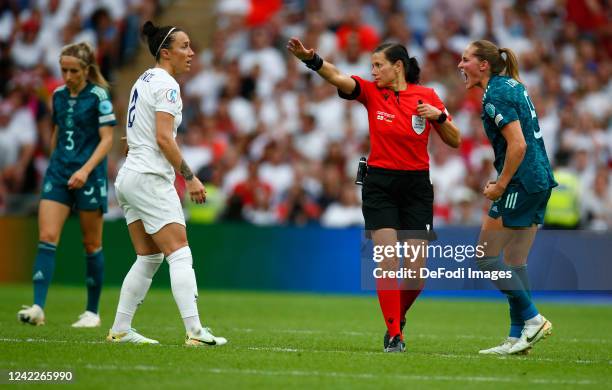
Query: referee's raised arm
{"points": [[325, 69]]}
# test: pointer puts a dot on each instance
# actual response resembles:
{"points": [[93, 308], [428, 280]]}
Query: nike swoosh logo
{"points": [[209, 342], [537, 134], [530, 339]]}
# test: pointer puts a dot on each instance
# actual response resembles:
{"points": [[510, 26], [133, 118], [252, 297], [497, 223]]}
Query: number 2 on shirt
{"points": [[132, 109]]}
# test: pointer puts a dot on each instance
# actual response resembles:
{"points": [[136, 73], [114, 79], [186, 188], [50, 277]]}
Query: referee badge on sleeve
{"points": [[418, 124]]}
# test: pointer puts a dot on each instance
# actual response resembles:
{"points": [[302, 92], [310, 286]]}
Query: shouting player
{"points": [[522, 188]]}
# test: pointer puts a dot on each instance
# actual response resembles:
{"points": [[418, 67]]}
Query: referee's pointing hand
{"points": [[296, 48]]}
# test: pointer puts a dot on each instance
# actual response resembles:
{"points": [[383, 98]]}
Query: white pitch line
{"points": [[426, 336], [295, 350], [410, 335]]}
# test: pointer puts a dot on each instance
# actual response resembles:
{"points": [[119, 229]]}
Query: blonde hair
{"points": [[488, 51], [84, 52]]}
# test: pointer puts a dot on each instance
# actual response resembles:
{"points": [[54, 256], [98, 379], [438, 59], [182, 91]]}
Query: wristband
{"points": [[442, 118], [315, 63]]}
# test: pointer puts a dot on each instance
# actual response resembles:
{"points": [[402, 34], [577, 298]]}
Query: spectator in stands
{"points": [[345, 212], [597, 203]]}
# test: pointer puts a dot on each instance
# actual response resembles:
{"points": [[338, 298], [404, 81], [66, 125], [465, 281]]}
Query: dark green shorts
{"points": [[92, 196], [519, 208]]}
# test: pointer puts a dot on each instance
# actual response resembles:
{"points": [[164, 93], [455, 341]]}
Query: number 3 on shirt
{"points": [[132, 109], [70, 144]]}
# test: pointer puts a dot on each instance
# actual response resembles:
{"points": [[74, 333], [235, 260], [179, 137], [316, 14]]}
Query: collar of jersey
{"points": [[87, 85]]}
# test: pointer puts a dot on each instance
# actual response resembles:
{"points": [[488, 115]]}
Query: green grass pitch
{"points": [[306, 341]]}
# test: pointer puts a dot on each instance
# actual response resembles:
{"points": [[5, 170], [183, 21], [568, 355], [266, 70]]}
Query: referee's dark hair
{"points": [[396, 52], [158, 37]]}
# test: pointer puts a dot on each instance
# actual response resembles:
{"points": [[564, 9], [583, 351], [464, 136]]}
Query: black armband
{"points": [[315, 63]]}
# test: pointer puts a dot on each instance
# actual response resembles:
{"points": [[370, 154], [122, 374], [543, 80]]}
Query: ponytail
{"points": [[395, 52], [487, 51], [84, 52], [413, 71], [512, 67]]}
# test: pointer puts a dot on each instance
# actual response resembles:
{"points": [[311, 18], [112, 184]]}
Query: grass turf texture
{"points": [[305, 341]]}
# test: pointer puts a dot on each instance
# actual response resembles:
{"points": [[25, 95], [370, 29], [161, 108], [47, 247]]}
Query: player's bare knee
{"points": [[48, 236], [175, 246], [92, 246]]}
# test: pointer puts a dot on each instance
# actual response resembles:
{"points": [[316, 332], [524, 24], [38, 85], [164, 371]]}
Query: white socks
{"points": [[134, 289], [184, 287]]}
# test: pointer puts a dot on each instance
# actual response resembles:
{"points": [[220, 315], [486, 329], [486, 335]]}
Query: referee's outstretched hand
{"points": [[196, 189], [296, 48]]}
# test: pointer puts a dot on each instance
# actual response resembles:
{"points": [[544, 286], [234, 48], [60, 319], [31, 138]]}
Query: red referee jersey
{"points": [[398, 135]]}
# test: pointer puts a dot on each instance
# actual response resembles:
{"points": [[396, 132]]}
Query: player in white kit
{"points": [[146, 192]]}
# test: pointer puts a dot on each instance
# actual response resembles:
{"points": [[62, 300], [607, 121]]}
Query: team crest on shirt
{"points": [[172, 95], [418, 124]]}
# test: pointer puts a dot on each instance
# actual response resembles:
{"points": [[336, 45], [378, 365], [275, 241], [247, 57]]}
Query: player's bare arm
{"points": [[515, 152], [167, 144], [186, 171], [448, 131], [53, 140]]}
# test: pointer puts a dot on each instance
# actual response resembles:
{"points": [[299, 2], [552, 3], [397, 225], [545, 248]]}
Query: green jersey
{"points": [[506, 100], [78, 120]]}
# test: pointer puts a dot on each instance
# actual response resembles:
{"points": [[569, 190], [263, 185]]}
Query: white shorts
{"points": [[150, 198]]}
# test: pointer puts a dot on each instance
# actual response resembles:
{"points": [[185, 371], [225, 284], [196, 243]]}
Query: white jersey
{"points": [[155, 90]]}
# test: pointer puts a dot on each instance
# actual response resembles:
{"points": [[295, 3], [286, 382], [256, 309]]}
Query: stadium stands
{"points": [[275, 143]]}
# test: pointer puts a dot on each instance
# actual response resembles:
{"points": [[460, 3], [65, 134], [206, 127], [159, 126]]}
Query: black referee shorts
{"points": [[402, 200]]}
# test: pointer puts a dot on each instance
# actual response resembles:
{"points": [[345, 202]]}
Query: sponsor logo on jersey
{"points": [[537, 134], [418, 124], [384, 116], [172, 95]]}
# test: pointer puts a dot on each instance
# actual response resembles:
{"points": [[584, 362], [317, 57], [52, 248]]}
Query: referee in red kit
{"points": [[397, 192]]}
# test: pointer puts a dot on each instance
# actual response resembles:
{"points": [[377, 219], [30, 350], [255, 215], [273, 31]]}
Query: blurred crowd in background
{"points": [[274, 144]]}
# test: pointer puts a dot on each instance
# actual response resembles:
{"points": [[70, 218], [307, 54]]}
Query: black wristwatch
{"points": [[442, 118]]}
